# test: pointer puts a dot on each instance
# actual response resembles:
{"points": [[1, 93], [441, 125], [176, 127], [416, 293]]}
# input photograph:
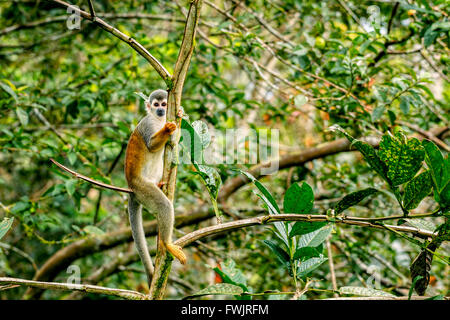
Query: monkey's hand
{"points": [[170, 127]]}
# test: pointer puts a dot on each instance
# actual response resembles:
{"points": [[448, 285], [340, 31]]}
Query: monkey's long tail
{"points": [[135, 213]]}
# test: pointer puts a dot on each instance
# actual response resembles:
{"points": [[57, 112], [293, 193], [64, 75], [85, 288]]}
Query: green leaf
{"points": [[298, 199], [365, 292], [191, 142], [7, 88], [93, 230], [377, 113], [201, 129], [353, 199], [404, 104], [22, 115], [5, 225], [315, 238], [282, 255], [72, 156], [440, 172], [367, 151], [304, 227], [231, 274], [416, 190], [310, 265], [218, 289], [308, 252], [266, 195], [70, 186], [402, 157]]}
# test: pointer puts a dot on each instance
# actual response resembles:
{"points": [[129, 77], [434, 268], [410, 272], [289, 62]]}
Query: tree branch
{"points": [[163, 261], [119, 34], [125, 294]]}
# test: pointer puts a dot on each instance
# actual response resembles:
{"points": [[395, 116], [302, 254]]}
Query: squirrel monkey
{"points": [[143, 171]]}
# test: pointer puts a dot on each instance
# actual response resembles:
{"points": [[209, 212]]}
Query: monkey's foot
{"points": [[177, 252], [180, 113]]}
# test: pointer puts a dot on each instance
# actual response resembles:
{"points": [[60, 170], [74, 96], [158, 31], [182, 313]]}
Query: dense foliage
{"points": [[328, 75]]}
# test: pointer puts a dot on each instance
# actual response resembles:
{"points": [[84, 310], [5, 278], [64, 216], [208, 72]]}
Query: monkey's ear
{"points": [[147, 105]]}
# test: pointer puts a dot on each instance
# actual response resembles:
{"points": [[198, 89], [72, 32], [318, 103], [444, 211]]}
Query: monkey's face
{"points": [[157, 107]]}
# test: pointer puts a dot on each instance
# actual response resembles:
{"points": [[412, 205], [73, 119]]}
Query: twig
{"points": [[139, 48], [331, 265], [95, 182]]}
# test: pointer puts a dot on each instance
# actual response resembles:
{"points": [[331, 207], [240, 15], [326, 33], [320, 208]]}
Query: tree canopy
{"points": [[337, 183]]}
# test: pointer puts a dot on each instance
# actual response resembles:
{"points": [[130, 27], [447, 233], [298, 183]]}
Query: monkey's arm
{"points": [[159, 139]]}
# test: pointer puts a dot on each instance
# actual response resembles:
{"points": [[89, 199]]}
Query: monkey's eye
{"points": [[156, 104], [163, 104]]}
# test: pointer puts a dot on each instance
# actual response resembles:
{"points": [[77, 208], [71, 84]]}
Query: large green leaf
{"points": [[353, 198], [402, 157], [282, 255], [417, 189], [315, 238], [304, 227], [298, 199], [310, 265], [308, 252], [440, 173], [5, 225]]}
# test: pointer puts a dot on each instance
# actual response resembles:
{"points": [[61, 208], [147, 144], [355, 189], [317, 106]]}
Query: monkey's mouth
{"points": [[160, 112]]}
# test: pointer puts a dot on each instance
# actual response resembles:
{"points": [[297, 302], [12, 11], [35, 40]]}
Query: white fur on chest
{"points": [[154, 161]]}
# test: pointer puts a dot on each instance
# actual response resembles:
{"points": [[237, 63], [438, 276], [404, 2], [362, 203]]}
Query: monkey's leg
{"points": [[137, 230], [156, 201]]}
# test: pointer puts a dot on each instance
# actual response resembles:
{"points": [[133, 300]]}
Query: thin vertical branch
{"points": [[163, 261], [331, 264]]}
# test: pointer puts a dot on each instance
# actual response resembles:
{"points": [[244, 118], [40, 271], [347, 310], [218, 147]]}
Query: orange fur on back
{"points": [[134, 159]]}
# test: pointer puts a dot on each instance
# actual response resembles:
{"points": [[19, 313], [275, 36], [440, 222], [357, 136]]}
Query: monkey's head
{"points": [[157, 103]]}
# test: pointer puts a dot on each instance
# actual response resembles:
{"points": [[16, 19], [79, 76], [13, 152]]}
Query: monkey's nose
{"points": [[160, 112]]}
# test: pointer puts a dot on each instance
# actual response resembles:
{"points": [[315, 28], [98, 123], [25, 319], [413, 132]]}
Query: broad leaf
{"points": [[417, 189], [308, 252], [282, 255], [402, 157], [310, 265], [315, 238], [298, 199], [304, 227], [353, 198]]}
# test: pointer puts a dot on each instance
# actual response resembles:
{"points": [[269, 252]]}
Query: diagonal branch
{"points": [[139, 48]]}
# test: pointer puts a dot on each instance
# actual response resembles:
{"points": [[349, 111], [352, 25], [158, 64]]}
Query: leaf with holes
{"points": [[403, 157], [416, 190], [353, 199]]}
